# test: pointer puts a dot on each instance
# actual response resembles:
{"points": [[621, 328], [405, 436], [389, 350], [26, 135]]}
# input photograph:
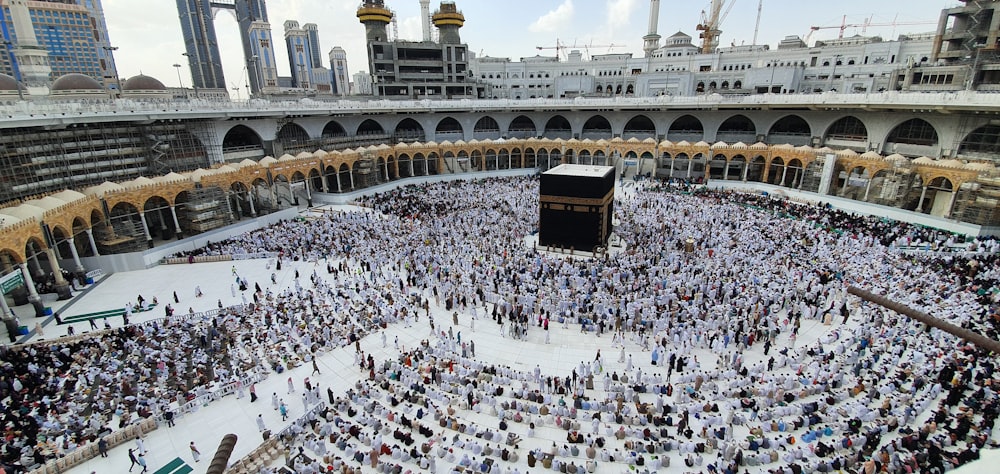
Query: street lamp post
{"points": [[179, 81], [194, 84]]}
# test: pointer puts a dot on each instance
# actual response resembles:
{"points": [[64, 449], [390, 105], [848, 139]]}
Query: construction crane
{"points": [[756, 28], [864, 26], [611, 46], [710, 24], [561, 48]]}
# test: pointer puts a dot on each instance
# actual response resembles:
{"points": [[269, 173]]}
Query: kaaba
{"points": [[576, 204]]}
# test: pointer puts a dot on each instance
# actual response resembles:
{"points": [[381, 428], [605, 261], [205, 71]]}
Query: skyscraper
{"points": [[338, 69], [201, 44], [299, 55], [312, 31], [73, 32], [203, 47]]}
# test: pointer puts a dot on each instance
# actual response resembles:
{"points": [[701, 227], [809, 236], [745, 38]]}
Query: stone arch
{"points": [[15, 257], [522, 127], [490, 160], [292, 135], [333, 129], [639, 126], [240, 197], [686, 127], [80, 226], [158, 217], [914, 131], [432, 163], [755, 170], [241, 137], [846, 129], [984, 140], [409, 130], [794, 171], [476, 160], [788, 128], [486, 128], [937, 196], [504, 159], [596, 127], [530, 160], [330, 176], [737, 128], [316, 181], [124, 220], [370, 127], [775, 170], [717, 166], [448, 129], [558, 127], [735, 167]]}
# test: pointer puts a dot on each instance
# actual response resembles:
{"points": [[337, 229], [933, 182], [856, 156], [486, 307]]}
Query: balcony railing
{"points": [[16, 113]]}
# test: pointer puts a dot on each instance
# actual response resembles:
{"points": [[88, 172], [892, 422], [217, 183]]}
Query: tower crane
{"points": [[561, 48], [710, 24], [864, 26]]}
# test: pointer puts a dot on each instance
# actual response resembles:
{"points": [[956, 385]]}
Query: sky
{"points": [[148, 36]]}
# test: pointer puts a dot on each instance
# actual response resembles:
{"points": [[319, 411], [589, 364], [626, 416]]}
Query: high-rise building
{"points": [[258, 49], [362, 84], [299, 55], [341, 75], [73, 33], [424, 69], [261, 65], [312, 31], [201, 44]]}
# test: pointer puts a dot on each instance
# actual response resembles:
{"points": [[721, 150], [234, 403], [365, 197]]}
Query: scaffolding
{"points": [[979, 202], [38, 160], [206, 209]]}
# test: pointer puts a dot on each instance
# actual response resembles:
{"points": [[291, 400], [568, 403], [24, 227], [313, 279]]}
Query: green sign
{"points": [[11, 280]]}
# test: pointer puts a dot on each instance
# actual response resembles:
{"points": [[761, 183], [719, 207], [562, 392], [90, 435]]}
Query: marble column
{"points": [[920, 203], [145, 227], [93, 243], [5, 311], [76, 255], [33, 297], [61, 286], [177, 224], [253, 209]]}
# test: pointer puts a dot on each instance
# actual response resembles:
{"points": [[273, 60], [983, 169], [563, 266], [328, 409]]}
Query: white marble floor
{"points": [[207, 426]]}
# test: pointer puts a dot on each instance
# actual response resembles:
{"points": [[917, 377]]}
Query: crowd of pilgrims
{"points": [[725, 386]]}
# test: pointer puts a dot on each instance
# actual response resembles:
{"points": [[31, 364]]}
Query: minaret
{"points": [[375, 16], [32, 59], [425, 18], [652, 40], [448, 20]]}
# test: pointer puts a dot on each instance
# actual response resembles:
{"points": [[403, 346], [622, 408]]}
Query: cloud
{"points": [[619, 11], [410, 28], [554, 20]]}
